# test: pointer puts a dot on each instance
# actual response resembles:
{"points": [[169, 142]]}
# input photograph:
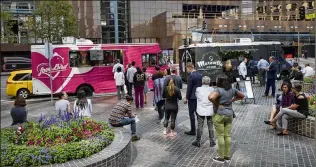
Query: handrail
{"points": [[252, 16]]}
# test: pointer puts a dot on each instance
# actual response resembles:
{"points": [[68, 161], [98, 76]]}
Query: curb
{"points": [[4, 74]]}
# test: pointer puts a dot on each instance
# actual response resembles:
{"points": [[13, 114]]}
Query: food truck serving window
{"points": [[149, 59], [94, 57]]}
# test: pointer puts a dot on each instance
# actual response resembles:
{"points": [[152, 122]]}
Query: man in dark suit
{"points": [[271, 76], [194, 81]]}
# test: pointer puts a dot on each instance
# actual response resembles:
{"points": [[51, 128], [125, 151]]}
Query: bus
{"points": [[88, 67], [209, 58]]}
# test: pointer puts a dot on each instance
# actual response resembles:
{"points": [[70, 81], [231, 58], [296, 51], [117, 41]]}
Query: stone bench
{"points": [[305, 127]]}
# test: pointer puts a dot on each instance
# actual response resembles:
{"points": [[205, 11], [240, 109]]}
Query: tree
{"points": [[53, 20], [7, 24]]}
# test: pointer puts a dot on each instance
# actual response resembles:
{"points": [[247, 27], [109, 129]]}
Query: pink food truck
{"points": [[88, 66]]}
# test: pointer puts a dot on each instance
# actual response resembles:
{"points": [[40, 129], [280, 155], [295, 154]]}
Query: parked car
{"points": [[20, 83]]}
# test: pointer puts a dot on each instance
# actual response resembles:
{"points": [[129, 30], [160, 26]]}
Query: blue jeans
{"points": [[127, 121]]}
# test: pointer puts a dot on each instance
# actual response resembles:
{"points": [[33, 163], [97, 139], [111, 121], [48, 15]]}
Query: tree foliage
{"points": [[53, 20], [6, 21]]}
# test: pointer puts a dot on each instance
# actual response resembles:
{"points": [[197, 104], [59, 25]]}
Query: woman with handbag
{"points": [[222, 98]]}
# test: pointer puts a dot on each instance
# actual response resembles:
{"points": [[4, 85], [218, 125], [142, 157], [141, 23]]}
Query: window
{"points": [[161, 59], [149, 59], [94, 58], [22, 77]]}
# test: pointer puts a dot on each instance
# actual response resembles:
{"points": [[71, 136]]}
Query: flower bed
{"points": [[56, 139]]}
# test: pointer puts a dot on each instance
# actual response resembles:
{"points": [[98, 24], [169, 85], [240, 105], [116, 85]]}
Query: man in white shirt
{"points": [[262, 65], [308, 71], [242, 69], [118, 64], [204, 111]]}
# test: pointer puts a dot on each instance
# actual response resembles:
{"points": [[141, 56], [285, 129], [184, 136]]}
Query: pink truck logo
{"points": [[57, 65]]}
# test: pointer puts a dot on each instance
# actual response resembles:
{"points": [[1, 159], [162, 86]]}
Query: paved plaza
{"points": [[253, 143]]}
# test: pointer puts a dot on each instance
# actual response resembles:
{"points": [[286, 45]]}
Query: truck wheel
{"points": [[23, 92], [87, 89]]}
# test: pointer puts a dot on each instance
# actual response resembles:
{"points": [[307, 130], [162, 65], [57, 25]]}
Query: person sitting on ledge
{"points": [[19, 112], [297, 110], [121, 115], [283, 101]]}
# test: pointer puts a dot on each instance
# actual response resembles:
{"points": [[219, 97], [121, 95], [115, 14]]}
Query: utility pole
{"points": [[78, 23]]}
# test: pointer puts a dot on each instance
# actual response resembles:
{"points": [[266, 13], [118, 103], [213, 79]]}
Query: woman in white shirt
{"points": [[204, 110], [82, 106], [120, 82]]}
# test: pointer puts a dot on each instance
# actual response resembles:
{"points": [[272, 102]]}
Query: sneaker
{"points": [[135, 138], [196, 144], [212, 144], [165, 131], [219, 160], [190, 133], [227, 159]]}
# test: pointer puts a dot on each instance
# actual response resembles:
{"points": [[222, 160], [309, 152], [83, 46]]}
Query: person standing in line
{"points": [[176, 79], [62, 104], [158, 100], [242, 69], [146, 84], [158, 74], [121, 115], [19, 112], [126, 79], [119, 81], [251, 70], [194, 81], [172, 94], [204, 110], [222, 98], [130, 76], [139, 83], [82, 105], [262, 65], [271, 77], [228, 70], [117, 64]]}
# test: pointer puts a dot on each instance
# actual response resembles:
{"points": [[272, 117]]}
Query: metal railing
{"points": [[19, 11], [250, 16]]}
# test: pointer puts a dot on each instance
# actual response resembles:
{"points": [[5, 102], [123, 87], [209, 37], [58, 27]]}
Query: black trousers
{"points": [[270, 83], [160, 109], [192, 109], [171, 111]]}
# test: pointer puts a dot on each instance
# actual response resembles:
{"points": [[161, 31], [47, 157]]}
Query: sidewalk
{"points": [[253, 143]]}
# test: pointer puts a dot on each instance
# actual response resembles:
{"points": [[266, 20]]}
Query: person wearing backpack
{"points": [[251, 67], [139, 83]]}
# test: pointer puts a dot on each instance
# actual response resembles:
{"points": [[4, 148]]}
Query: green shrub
{"points": [[308, 79], [48, 142]]}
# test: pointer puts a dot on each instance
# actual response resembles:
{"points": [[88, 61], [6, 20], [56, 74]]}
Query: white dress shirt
{"points": [[117, 65], [204, 106], [242, 69], [308, 71]]}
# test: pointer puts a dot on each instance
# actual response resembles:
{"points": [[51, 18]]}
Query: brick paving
{"points": [[253, 143]]}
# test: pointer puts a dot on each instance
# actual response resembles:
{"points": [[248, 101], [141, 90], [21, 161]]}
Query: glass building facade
{"points": [[115, 21]]}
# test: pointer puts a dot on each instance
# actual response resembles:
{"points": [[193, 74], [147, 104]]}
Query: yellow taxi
{"points": [[20, 83]]}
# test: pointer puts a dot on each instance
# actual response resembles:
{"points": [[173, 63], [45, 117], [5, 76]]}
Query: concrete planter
{"points": [[117, 154], [305, 127]]}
